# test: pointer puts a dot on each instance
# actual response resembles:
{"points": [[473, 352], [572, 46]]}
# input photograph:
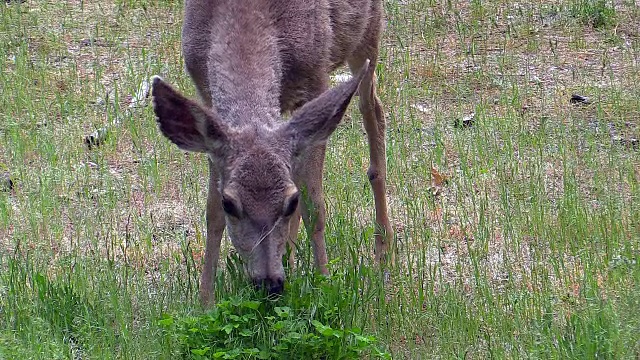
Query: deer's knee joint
{"points": [[365, 105], [373, 174]]}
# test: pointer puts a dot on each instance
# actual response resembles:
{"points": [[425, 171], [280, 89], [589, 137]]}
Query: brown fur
{"points": [[253, 61]]}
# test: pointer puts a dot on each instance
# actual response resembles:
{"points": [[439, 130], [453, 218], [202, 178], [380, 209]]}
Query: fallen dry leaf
{"points": [[197, 256], [456, 232], [435, 215], [438, 179], [529, 286], [575, 290]]}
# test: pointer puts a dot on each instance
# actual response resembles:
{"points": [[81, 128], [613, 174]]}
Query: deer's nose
{"points": [[273, 286], [276, 286]]}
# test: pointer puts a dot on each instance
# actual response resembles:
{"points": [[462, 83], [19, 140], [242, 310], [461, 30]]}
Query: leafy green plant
{"points": [[240, 328]]}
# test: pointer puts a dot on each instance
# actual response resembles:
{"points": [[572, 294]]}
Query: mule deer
{"points": [[252, 61]]}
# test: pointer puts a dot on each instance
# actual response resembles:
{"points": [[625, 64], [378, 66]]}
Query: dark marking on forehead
{"points": [[261, 169], [261, 179]]}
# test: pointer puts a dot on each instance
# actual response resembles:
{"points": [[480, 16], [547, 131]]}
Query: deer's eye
{"points": [[291, 205], [230, 207]]}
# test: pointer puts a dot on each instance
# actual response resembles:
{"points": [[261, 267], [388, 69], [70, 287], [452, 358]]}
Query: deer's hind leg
{"points": [[375, 126], [312, 207], [308, 171]]}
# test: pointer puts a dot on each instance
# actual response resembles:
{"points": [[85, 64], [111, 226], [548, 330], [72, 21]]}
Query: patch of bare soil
{"points": [[456, 68]]}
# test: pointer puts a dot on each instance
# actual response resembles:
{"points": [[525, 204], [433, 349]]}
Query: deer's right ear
{"points": [[186, 123]]}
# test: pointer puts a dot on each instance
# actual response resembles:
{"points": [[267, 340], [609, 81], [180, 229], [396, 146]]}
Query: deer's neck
{"points": [[244, 64]]}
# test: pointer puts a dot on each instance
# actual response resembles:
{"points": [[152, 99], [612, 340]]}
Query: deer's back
{"points": [[313, 37]]}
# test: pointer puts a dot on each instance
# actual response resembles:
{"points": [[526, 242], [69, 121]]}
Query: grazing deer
{"points": [[253, 61]]}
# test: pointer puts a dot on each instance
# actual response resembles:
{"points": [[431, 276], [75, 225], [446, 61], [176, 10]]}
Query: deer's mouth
{"points": [[273, 286]]}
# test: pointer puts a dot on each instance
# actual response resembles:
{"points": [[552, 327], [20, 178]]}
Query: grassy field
{"points": [[517, 211]]}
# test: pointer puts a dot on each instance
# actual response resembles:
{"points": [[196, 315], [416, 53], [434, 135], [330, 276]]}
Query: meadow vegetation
{"points": [[517, 210]]}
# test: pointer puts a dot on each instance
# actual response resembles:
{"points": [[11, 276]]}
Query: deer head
{"points": [[255, 164]]}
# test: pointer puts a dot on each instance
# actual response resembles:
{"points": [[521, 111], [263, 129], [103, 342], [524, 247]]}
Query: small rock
{"points": [[92, 42], [6, 183], [629, 143], [87, 42], [96, 138], [466, 121], [99, 101], [141, 95], [577, 99], [108, 99], [421, 108], [536, 80]]}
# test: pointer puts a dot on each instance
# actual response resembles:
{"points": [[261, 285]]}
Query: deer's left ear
{"points": [[317, 120], [186, 123]]}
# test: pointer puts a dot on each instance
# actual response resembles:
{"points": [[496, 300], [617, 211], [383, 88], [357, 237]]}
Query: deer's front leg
{"points": [[215, 227], [313, 208], [294, 226]]}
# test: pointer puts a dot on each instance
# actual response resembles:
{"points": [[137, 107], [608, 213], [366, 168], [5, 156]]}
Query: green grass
{"points": [[530, 250]]}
